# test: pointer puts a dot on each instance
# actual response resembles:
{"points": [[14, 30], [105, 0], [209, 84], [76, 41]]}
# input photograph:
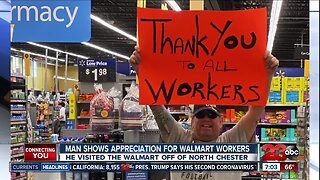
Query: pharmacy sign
{"points": [[51, 20]]}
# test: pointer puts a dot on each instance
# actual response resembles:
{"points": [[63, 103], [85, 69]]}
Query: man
{"points": [[206, 125]]}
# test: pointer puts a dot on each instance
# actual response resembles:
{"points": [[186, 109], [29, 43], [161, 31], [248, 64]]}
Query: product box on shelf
{"points": [[275, 95], [274, 134], [278, 116], [293, 90]]}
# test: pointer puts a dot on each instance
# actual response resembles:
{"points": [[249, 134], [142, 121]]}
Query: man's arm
{"points": [[166, 123], [249, 121]]}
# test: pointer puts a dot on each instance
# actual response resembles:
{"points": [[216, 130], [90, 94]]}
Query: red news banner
{"points": [[202, 57], [40, 152]]}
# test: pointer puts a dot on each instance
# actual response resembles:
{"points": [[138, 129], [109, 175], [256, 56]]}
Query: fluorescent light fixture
{"points": [[105, 50], [36, 54], [57, 50], [173, 5], [63, 78], [104, 23], [275, 13]]}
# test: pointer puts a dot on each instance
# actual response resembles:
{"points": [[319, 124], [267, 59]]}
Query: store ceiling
{"points": [[293, 27]]}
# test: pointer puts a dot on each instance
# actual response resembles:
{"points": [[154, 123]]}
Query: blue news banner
{"points": [[148, 157]]}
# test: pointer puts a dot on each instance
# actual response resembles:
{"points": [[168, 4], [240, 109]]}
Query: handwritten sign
{"points": [[202, 57]]}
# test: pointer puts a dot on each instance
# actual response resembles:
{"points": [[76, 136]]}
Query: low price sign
{"points": [[202, 57], [97, 70]]}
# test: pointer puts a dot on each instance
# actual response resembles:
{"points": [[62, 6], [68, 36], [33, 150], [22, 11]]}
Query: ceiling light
{"points": [[57, 50], [36, 54], [173, 5], [104, 23], [105, 50], [275, 13]]}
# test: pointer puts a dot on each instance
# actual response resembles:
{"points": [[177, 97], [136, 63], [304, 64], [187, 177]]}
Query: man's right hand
{"points": [[135, 59]]}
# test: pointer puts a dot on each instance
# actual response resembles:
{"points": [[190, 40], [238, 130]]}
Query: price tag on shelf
{"points": [[271, 167], [97, 70]]}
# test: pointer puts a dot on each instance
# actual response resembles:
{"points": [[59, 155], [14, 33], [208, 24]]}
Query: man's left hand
{"points": [[272, 63]]}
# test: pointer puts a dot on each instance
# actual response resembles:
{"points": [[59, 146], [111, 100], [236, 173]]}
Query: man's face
{"points": [[207, 127]]}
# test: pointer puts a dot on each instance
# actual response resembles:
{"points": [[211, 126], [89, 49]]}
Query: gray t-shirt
{"points": [[172, 132]]}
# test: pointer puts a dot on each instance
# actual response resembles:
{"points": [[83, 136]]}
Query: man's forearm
{"points": [[164, 120]]}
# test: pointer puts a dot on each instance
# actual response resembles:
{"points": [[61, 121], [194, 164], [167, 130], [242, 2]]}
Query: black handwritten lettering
{"points": [[184, 89], [209, 64], [163, 42], [217, 67], [253, 41], [176, 45], [252, 88], [211, 87], [197, 89], [182, 63], [199, 42], [226, 68], [231, 42], [237, 89], [167, 96], [190, 45], [154, 21], [226, 26], [224, 92], [191, 66]]}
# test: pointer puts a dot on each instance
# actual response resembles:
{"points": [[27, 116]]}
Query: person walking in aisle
{"points": [[206, 125]]}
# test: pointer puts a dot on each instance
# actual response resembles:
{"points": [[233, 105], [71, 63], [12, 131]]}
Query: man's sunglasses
{"points": [[206, 113]]}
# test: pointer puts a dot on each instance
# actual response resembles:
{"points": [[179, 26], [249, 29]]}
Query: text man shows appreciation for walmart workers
{"points": [[207, 123]]}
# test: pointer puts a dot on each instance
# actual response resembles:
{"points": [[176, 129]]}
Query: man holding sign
{"points": [[221, 60]]}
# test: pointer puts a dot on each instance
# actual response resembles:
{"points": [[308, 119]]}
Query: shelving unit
{"points": [[18, 117]]}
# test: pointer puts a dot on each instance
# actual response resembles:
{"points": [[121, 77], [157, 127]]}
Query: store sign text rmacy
{"points": [[51, 20]]}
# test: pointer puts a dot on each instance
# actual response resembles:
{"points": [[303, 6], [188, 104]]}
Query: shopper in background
{"points": [[62, 115], [207, 123]]}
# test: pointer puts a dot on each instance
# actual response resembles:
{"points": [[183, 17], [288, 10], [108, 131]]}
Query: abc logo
{"points": [[279, 152], [292, 152]]}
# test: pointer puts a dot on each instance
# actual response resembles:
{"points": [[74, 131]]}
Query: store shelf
{"points": [[18, 101], [19, 177], [83, 117], [17, 144], [284, 105], [276, 142], [84, 102], [18, 133], [45, 134], [18, 112], [18, 122], [17, 155], [277, 124]]}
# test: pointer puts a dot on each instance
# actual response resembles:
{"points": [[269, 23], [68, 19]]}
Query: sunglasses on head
{"points": [[206, 113]]}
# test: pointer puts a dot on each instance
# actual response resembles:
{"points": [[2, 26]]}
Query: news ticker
{"points": [[141, 152], [114, 167]]}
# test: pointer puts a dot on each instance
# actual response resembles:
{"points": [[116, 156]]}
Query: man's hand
{"points": [[135, 59], [272, 63]]}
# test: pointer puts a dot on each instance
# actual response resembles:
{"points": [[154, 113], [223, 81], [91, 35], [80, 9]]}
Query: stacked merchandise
{"points": [[132, 115], [18, 118], [101, 111]]}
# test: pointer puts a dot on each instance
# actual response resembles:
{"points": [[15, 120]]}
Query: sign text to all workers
{"points": [[202, 57]]}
